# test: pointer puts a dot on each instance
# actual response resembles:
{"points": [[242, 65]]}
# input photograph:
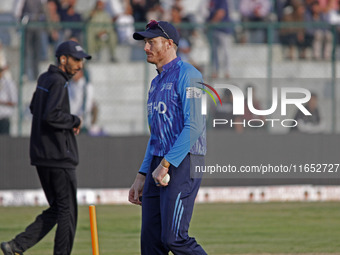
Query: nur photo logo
{"points": [[281, 98]]}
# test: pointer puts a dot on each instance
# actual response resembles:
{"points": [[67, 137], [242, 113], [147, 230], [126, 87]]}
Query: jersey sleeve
{"points": [[147, 160], [191, 98]]}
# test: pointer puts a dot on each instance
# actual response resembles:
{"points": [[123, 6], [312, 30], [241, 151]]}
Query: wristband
{"points": [[165, 163]]}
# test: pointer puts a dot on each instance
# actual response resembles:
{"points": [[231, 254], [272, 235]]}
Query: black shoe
{"points": [[7, 249]]}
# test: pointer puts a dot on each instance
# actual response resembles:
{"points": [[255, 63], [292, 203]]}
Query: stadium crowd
{"points": [[123, 14], [108, 23]]}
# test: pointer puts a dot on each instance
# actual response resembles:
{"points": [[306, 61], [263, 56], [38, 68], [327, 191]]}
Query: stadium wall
{"points": [[112, 162]]}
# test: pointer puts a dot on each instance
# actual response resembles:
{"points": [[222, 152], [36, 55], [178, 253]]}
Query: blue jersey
{"points": [[174, 114]]}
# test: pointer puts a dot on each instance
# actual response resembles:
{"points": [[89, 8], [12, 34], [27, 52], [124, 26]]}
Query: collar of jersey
{"points": [[169, 65]]}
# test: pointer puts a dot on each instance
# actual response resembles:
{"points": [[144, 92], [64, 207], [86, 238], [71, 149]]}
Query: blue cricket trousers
{"points": [[167, 211]]}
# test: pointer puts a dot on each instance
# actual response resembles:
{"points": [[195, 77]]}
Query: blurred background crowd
{"points": [[257, 43]]}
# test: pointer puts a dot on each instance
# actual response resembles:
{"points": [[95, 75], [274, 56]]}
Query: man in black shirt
{"points": [[54, 152]]}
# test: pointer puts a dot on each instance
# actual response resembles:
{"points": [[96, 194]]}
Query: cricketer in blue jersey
{"points": [[176, 145]]}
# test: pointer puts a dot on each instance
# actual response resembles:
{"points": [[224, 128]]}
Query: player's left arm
{"points": [[194, 122]]}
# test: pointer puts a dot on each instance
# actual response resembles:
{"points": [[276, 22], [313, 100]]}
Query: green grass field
{"points": [[249, 228]]}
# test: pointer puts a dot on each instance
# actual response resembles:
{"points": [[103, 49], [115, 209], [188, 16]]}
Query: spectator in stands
{"points": [[144, 10], [8, 100], [279, 7], [125, 25], [81, 98], [327, 5], [35, 46], [138, 10], [154, 10], [8, 93], [3, 57], [220, 37], [288, 35], [5, 31], [309, 123], [322, 37], [333, 14], [67, 14], [95, 129], [100, 31], [304, 35], [296, 35], [56, 7], [114, 8], [184, 45], [255, 11], [53, 8]]}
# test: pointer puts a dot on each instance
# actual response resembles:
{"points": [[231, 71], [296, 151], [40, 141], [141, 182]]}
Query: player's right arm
{"points": [[146, 161], [136, 189]]}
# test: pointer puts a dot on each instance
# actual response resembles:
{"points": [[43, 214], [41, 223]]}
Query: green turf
{"points": [[251, 228]]}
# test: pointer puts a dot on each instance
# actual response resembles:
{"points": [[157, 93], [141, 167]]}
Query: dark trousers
{"points": [[60, 187], [167, 211]]}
